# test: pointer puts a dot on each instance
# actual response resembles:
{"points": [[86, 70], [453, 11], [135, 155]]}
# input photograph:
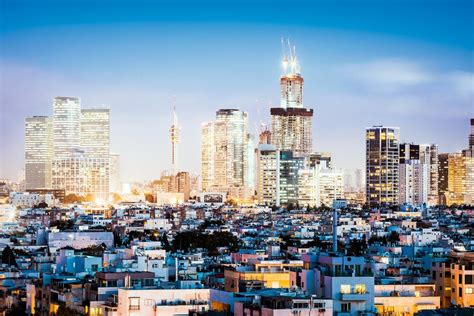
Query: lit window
{"points": [[469, 290], [345, 288], [360, 288]]}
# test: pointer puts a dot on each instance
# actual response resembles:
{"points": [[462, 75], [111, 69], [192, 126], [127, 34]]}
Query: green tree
{"points": [[8, 257]]}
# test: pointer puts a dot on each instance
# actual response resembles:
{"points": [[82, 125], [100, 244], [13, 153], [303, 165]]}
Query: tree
{"points": [[393, 238], [66, 311], [8, 257], [357, 247]]}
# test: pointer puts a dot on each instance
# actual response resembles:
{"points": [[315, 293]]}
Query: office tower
{"points": [[290, 166], [414, 182], [82, 175], [443, 174], [433, 198], [183, 184], [95, 132], [267, 174], [66, 126], [382, 163], [227, 154], [309, 193], [331, 185], [292, 122], [174, 137], [418, 174], [38, 152], [207, 156], [115, 184], [456, 179]]}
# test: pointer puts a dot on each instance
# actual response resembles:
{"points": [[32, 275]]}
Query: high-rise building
{"points": [[174, 136], [290, 166], [207, 156], [82, 175], [66, 126], [183, 184], [38, 152], [418, 174], [227, 154], [95, 132], [267, 174], [443, 175], [292, 122], [115, 183], [414, 182], [457, 177], [331, 185], [81, 145], [382, 164]]}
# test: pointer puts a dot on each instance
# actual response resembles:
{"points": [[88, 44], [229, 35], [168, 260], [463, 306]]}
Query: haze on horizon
{"points": [[398, 63]]}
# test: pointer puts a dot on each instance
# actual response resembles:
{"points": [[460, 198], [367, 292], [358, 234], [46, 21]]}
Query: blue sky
{"points": [[401, 63]]}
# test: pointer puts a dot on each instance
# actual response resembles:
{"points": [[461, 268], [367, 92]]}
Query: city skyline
{"points": [[405, 76]]}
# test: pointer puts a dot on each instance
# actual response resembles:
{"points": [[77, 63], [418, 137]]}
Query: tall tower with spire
{"points": [[174, 133], [292, 122]]}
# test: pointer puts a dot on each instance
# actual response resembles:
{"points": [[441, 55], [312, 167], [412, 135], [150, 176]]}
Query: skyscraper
{"points": [[81, 147], [292, 122], [95, 132], [227, 154], [418, 174], [290, 167], [207, 156], [66, 126], [268, 174], [443, 174], [38, 152], [382, 165]]}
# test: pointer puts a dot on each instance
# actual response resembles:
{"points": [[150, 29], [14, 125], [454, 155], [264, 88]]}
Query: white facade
{"points": [[25, 199], [414, 182], [267, 174], [79, 240], [38, 152], [162, 302]]}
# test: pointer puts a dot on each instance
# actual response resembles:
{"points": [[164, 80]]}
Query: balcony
{"points": [[355, 296]]}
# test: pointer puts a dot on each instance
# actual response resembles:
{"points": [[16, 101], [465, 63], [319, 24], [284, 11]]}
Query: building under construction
{"points": [[292, 122]]}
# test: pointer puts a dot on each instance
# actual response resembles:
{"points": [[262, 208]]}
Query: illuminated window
{"points": [[469, 290], [345, 288], [360, 288]]}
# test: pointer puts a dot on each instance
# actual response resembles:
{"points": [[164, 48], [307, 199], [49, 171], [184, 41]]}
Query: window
{"points": [[434, 275], [469, 290], [360, 289], [319, 305], [460, 292], [345, 288], [345, 307], [134, 303], [460, 279], [94, 267], [149, 302], [468, 279]]}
